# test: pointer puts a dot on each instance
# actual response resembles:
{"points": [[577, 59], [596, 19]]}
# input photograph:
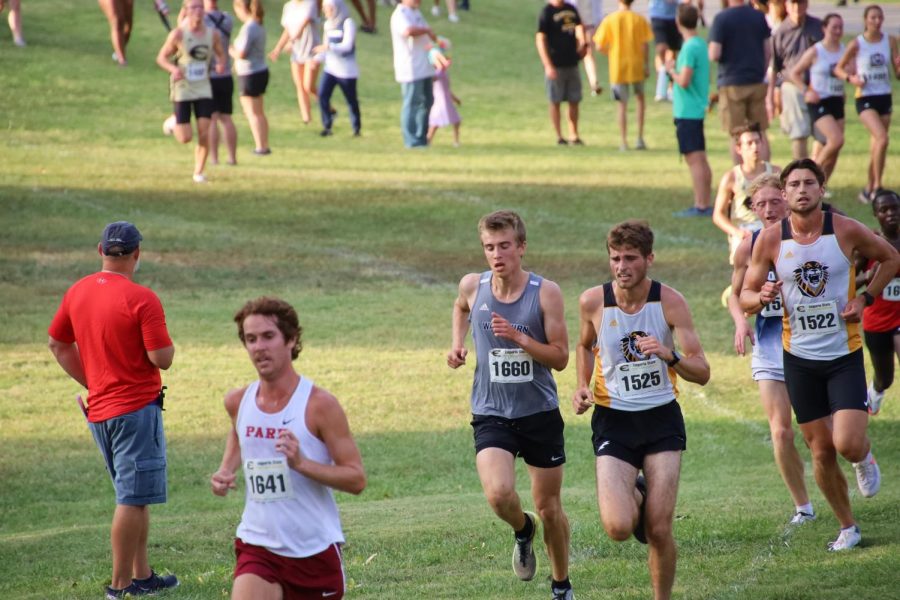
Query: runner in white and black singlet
{"points": [[627, 347], [520, 335], [294, 444], [812, 254]]}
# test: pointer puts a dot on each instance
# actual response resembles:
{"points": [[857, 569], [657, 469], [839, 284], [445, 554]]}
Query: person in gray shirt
{"points": [[249, 54], [520, 335]]}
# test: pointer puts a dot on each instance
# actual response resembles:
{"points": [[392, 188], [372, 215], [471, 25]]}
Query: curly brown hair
{"points": [[285, 319]]}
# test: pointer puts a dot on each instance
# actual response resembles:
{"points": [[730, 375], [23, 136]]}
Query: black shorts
{"points": [[690, 135], [666, 32], [631, 436], [883, 104], [880, 342], [223, 91], [819, 388], [833, 106], [254, 84], [203, 109], [537, 438]]}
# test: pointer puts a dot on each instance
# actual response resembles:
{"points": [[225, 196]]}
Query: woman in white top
{"points": [[15, 21], [339, 50], [824, 94], [874, 55], [298, 18]]}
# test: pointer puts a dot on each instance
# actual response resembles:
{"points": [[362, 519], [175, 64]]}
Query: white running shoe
{"points": [[524, 562], [846, 539], [453, 18], [875, 399], [169, 125], [200, 178], [436, 11], [801, 517], [868, 476]]}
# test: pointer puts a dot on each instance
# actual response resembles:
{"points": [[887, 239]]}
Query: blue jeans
{"points": [[348, 87], [417, 100]]}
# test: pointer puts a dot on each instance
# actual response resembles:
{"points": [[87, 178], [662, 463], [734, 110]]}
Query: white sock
{"points": [[806, 508], [662, 82]]}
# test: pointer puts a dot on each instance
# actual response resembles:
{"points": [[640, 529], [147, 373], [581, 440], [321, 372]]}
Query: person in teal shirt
{"points": [[690, 75]]}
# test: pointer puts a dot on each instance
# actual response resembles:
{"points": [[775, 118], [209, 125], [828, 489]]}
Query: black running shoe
{"points": [[154, 584], [131, 590], [639, 533]]}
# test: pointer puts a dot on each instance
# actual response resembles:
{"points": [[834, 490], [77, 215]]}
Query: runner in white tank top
{"points": [[823, 365], [294, 444]]}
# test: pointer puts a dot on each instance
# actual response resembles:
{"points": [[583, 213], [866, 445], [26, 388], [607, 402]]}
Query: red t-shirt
{"points": [[884, 314], [115, 322]]}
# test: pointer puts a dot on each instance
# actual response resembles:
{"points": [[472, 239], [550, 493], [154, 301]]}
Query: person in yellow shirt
{"points": [[625, 37]]}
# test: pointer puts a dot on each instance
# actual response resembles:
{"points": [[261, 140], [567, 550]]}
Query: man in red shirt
{"points": [[110, 336]]}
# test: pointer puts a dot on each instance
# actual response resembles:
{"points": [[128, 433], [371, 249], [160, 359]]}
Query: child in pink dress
{"points": [[443, 111]]}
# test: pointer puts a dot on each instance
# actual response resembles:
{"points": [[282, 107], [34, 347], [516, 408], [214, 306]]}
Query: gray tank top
{"points": [[508, 382]]}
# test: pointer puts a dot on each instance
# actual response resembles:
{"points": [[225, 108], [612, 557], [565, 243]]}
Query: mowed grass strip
{"points": [[369, 242]]}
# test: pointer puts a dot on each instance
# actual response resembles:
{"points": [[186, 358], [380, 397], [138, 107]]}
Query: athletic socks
{"points": [[526, 531], [662, 84], [806, 509], [560, 585]]}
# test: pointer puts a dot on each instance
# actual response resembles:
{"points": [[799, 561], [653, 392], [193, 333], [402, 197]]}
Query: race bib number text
{"points": [[892, 292], [195, 71], [772, 309], [268, 480], [510, 365], [819, 318], [640, 377]]}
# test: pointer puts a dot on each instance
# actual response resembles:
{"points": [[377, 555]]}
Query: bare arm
{"points": [[328, 423], [722, 207], [540, 41], [693, 366], [219, 50], [842, 70], [225, 479], [757, 290], [589, 305], [742, 329], [169, 48], [279, 45], [683, 77], [873, 247], [462, 306], [553, 354], [417, 31], [69, 359], [162, 358], [796, 73], [715, 51]]}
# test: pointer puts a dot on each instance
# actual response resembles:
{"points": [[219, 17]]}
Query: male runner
{"points": [[520, 335], [110, 336], [766, 364], [637, 425], [823, 360], [295, 445]]}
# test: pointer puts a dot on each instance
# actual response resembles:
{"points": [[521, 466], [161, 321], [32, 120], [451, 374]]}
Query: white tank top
{"points": [[821, 74], [285, 512], [818, 283], [625, 379], [872, 62]]}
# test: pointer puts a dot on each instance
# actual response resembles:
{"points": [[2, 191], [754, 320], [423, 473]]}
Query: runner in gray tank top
{"points": [[520, 335]]}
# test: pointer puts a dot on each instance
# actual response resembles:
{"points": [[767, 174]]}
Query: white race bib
{"points": [[195, 71], [818, 318], [510, 365], [772, 309], [640, 377], [268, 479], [892, 292]]}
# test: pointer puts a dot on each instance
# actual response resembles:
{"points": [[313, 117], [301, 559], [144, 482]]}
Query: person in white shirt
{"points": [[412, 38]]}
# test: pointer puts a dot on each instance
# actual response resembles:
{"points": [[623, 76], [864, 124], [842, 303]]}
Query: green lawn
{"points": [[369, 241]]}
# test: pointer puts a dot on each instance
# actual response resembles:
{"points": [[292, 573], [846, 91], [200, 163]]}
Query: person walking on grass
{"points": [[767, 365], [627, 369], [249, 54], [187, 56], [294, 444], [881, 320], [411, 38], [15, 21], [299, 19], [120, 15], [519, 333], [109, 335], [874, 54], [813, 74], [222, 88], [812, 253], [443, 112], [341, 69], [625, 37], [690, 97], [560, 45]]}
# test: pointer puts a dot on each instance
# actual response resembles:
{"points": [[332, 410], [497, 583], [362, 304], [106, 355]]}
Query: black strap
{"points": [[828, 225], [218, 23], [786, 229], [655, 294], [609, 298]]}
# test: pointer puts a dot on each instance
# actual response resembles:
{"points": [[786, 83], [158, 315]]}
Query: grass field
{"points": [[369, 242]]}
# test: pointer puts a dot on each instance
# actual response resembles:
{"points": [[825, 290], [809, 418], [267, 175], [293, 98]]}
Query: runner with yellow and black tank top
{"points": [[186, 56], [627, 369], [874, 55], [823, 362], [520, 334]]}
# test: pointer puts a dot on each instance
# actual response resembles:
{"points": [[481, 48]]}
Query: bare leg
{"points": [[662, 471], [833, 131], [115, 14], [878, 144], [297, 74], [201, 152], [310, 75], [777, 405], [431, 131], [183, 133], [829, 477], [259, 125], [230, 134], [573, 120], [546, 486], [701, 177], [456, 134], [254, 587], [617, 498], [765, 150], [641, 107], [623, 124], [497, 471], [799, 148], [555, 119], [15, 21], [214, 139], [129, 526]]}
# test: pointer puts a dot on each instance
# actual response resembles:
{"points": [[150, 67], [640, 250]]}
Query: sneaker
{"points": [[640, 533], [200, 178], [20, 42], [561, 142], [875, 399], [577, 142], [801, 517], [435, 11], [325, 133], [868, 476], [262, 151], [154, 583], [623, 147], [694, 212], [846, 539], [453, 18], [596, 91], [168, 125], [131, 590], [864, 197], [566, 594], [524, 561], [640, 145]]}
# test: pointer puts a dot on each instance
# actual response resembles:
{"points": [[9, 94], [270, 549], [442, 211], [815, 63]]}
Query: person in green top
{"points": [[690, 75]]}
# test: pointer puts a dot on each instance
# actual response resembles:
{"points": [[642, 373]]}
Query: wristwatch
{"points": [[675, 359], [869, 298]]}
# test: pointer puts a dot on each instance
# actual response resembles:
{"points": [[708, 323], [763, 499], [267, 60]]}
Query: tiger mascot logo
{"points": [[811, 278], [629, 347]]}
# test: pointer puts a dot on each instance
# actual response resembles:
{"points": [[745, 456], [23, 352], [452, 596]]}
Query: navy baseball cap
{"points": [[120, 238]]}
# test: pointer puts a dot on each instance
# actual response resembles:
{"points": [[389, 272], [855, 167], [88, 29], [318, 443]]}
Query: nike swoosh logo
{"points": [[285, 422], [327, 594], [556, 458]]}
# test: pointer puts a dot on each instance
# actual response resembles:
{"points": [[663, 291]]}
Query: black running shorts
{"points": [[632, 435], [223, 92], [537, 438], [203, 109], [819, 388], [880, 342], [254, 84]]}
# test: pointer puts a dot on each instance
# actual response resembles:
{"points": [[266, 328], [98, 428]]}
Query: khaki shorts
{"points": [[795, 121], [743, 105]]}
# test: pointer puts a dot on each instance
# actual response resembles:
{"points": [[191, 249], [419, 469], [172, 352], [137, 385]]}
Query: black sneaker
{"points": [[639, 533], [325, 132], [131, 590], [153, 584], [561, 142]]}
